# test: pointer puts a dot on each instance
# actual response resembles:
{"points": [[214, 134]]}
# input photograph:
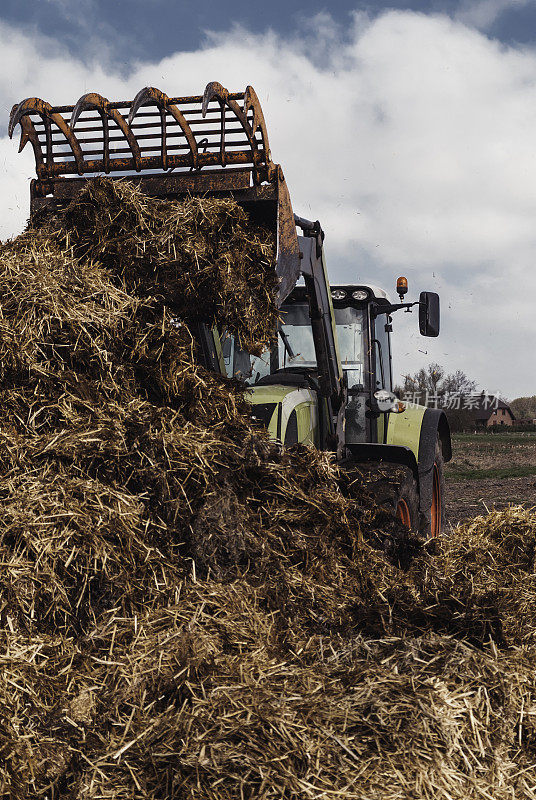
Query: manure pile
{"points": [[186, 612]]}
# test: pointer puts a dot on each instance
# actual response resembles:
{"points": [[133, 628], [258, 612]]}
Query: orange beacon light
{"points": [[401, 286]]}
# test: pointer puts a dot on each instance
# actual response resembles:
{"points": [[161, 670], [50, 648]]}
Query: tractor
{"points": [[327, 382]]}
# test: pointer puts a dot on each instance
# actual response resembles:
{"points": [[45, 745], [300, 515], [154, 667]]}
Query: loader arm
{"points": [[330, 374]]}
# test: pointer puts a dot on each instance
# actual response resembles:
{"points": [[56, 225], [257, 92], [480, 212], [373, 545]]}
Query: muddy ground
{"points": [[490, 471], [470, 498]]}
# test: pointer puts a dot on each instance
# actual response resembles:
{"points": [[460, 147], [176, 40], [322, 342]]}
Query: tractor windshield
{"points": [[295, 347]]}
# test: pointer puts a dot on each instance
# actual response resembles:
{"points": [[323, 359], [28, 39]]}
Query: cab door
{"points": [[353, 336], [381, 377]]}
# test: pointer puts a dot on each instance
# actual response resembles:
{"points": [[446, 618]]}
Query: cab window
{"points": [[382, 354], [296, 327], [350, 323]]}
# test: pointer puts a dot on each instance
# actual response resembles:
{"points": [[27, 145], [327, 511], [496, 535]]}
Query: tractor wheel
{"points": [[406, 503], [398, 494], [435, 519]]}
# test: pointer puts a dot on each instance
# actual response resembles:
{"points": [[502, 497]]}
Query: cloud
{"points": [[483, 14], [411, 139]]}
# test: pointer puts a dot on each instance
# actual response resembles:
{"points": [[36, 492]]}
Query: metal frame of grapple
{"points": [[183, 132]]}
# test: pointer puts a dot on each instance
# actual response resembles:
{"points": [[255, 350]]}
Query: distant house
{"points": [[490, 411]]}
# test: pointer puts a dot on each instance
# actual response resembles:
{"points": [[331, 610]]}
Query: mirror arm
{"points": [[376, 309]]}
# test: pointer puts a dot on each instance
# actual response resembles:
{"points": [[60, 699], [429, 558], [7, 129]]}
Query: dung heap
{"points": [[187, 612]]}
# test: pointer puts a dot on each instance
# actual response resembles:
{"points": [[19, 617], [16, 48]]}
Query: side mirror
{"points": [[388, 401], [429, 314]]}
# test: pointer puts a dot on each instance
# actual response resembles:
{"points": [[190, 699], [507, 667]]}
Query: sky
{"points": [[407, 128]]}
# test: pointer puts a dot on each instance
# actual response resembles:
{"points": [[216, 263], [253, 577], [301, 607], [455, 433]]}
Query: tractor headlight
{"points": [[360, 294], [338, 294]]}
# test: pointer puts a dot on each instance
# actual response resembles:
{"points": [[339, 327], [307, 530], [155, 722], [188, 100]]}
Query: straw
{"points": [[186, 611]]}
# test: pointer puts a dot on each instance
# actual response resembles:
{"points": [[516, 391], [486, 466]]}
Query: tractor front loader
{"points": [[328, 382]]}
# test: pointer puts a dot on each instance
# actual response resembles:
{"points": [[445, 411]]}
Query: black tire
{"points": [[399, 495], [433, 522], [406, 505]]}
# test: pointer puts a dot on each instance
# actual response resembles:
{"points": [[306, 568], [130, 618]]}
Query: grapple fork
{"points": [[215, 144]]}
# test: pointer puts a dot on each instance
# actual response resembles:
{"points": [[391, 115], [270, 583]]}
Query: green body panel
{"points": [[404, 429], [381, 423], [274, 393], [307, 429], [286, 400]]}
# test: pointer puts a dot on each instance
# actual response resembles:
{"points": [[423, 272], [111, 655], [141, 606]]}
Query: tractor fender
{"points": [[383, 453], [434, 423]]}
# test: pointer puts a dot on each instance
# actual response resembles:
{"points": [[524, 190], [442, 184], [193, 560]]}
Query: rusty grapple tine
{"points": [[34, 105], [24, 131], [252, 101], [149, 94], [29, 134], [145, 95], [92, 100], [152, 95], [85, 103], [215, 90]]}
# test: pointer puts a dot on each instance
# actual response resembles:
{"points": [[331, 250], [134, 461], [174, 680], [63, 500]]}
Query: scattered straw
{"points": [[187, 612]]}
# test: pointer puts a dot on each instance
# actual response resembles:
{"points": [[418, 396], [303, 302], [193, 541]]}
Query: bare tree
{"points": [[427, 381], [458, 383], [524, 407], [431, 386]]}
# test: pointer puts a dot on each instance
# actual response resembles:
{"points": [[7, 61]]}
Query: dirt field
{"points": [[490, 471]]}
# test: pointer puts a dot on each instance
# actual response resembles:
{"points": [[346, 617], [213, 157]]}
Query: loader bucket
{"points": [[214, 144]]}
